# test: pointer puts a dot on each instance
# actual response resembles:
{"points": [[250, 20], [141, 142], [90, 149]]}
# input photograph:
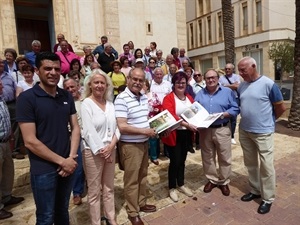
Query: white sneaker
{"points": [[185, 191], [173, 195], [233, 141]]}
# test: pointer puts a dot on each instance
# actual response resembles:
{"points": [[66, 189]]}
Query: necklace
{"points": [[182, 98]]}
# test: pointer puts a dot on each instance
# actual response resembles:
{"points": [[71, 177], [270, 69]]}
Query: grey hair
{"points": [[36, 42]]}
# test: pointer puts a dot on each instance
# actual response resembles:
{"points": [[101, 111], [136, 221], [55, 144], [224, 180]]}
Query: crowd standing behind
{"points": [[141, 84]]}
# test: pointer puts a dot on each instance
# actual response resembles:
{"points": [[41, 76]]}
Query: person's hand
{"points": [[191, 127], [68, 166], [150, 132], [106, 151]]}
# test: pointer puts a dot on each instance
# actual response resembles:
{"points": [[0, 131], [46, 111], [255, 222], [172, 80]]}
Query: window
{"points": [[199, 8], [209, 29], [191, 35], [149, 28], [245, 17], [206, 64], [258, 14], [200, 32], [220, 24]]}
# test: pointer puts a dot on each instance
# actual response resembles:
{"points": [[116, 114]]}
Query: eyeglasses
{"points": [[213, 77], [227, 68], [197, 75], [180, 83]]}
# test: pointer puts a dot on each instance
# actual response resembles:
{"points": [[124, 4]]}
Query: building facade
{"points": [[84, 22], [257, 24]]}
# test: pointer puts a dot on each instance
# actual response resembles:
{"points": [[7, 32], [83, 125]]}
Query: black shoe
{"points": [[198, 147], [249, 197], [14, 200], [4, 214], [264, 207]]}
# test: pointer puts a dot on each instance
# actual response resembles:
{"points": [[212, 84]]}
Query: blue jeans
{"points": [[51, 194], [154, 148], [79, 177]]}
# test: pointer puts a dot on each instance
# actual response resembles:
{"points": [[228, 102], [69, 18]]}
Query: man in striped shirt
{"points": [[132, 117]]}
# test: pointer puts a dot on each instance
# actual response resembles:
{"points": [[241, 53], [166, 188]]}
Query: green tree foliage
{"points": [[282, 55]]}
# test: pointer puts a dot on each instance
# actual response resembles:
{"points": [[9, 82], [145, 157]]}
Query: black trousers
{"points": [[178, 155]]}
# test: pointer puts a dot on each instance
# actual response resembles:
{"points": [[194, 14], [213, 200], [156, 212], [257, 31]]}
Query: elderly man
{"points": [[132, 117], [36, 48], [232, 81], [146, 55], [56, 48], [101, 48], [106, 58], [216, 139], [261, 102], [7, 171], [171, 72], [159, 86]]}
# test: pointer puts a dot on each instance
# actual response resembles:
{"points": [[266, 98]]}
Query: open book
{"points": [[197, 115], [163, 121]]}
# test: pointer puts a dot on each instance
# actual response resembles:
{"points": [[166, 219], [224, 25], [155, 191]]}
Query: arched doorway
{"points": [[34, 21]]}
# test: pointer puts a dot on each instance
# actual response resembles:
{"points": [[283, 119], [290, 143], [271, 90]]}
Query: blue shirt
{"points": [[9, 87], [256, 102], [51, 116], [31, 57], [223, 100], [5, 126]]}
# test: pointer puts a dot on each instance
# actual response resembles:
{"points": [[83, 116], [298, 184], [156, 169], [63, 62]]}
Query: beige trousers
{"points": [[135, 160], [100, 176], [216, 145], [258, 158]]}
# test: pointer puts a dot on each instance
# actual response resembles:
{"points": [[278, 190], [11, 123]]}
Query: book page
{"points": [[197, 115], [163, 121]]}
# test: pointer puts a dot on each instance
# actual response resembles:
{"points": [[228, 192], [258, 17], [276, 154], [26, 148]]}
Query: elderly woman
{"points": [[10, 65], [100, 135], [179, 141]]}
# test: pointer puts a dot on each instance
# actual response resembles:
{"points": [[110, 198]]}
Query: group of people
{"points": [[74, 133]]}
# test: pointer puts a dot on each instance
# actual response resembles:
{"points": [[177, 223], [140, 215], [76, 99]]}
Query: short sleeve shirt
{"points": [[51, 116]]}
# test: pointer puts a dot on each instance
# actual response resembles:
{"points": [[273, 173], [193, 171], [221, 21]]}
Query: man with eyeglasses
{"points": [[232, 81], [216, 139], [132, 117]]}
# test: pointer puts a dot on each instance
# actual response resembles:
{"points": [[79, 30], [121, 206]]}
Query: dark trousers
{"points": [[178, 155]]}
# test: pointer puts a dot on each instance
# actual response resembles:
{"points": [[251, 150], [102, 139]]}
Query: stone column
{"points": [[8, 31]]}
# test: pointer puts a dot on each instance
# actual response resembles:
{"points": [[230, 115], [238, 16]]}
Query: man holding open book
{"points": [[216, 139]]}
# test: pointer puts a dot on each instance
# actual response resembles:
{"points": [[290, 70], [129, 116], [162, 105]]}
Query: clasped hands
{"points": [[67, 166]]}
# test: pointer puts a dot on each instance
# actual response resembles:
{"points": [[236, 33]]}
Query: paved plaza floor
{"points": [[202, 208]]}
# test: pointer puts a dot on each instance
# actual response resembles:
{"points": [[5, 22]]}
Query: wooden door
{"points": [[29, 30]]}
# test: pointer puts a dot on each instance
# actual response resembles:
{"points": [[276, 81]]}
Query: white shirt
{"points": [[162, 89], [98, 126]]}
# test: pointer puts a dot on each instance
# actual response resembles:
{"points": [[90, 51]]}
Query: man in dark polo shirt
{"points": [[132, 117], [43, 113]]}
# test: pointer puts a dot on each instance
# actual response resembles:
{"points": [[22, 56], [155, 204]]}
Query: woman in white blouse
{"points": [[100, 135]]}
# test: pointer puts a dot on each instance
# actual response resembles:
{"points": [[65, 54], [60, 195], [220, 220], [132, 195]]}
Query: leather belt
{"points": [[126, 142], [219, 125]]}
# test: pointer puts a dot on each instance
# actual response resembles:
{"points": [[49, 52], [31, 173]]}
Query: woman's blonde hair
{"points": [[108, 95]]}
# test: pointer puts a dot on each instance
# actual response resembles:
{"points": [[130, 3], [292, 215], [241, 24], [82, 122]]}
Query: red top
{"points": [[170, 104]]}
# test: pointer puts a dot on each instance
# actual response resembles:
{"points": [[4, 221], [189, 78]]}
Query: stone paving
{"points": [[203, 208]]}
